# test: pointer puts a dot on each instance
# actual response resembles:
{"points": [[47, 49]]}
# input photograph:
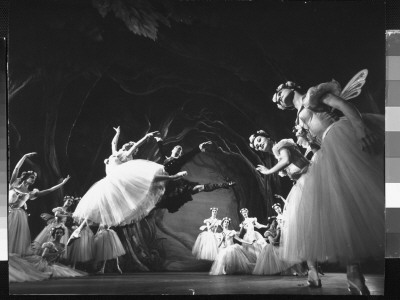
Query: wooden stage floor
{"points": [[192, 283]]}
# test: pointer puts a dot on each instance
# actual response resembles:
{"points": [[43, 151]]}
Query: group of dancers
{"points": [[130, 190], [256, 255], [333, 213]]}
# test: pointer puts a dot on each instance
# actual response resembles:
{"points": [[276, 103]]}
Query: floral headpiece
{"points": [[53, 229], [276, 204], [243, 210], [26, 174], [288, 85], [258, 133], [72, 198], [214, 208], [226, 219]]}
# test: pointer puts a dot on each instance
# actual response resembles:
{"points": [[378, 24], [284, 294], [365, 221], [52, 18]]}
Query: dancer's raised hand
{"points": [[201, 146], [117, 130], [30, 154], [64, 181]]}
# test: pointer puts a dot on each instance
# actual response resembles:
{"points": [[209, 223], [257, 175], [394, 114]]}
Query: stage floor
{"points": [[192, 283]]}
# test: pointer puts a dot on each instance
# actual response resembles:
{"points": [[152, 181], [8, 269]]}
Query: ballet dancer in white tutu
{"points": [[52, 251], [339, 214], [107, 246], [58, 219], [206, 245], [130, 190], [19, 237], [248, 225], [232, 258]]}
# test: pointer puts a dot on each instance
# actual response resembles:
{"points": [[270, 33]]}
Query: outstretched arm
{"points": [[14, 174], [367, 138], [242, 241], [141, 142], [258, 225], [282, 163], [114, 141], [279, 196], [52, 189]]}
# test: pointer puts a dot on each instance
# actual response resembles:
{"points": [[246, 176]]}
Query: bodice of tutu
{"points": [[227, 238], [249, 223], [54, 251], [298, 164], [61, 210], [115, 160], [314, 114], [18, 198], [214, 223]]}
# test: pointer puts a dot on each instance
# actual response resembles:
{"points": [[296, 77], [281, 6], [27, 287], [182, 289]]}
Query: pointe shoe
{"points": [[356, 282], [313, 281], [74, 236], [119, 270], [100, 272], [320, 271]]}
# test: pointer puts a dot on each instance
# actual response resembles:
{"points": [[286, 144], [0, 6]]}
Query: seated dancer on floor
{"points": [[20, 270], [130, 190], [180, 191], [232, 258], [107, 246], [206, 245], [19, 236], [248, 225], [58, 219], [52, 251], [343, 195]]}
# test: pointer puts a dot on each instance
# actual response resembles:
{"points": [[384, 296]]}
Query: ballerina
{"points": [[248, 224], [107, 246], [130, 190], [20, 270], [18, 229], [350, 208], [206, 245], [52, 251], [60, 216], [232, 258], [82, 250], [180, 191]]}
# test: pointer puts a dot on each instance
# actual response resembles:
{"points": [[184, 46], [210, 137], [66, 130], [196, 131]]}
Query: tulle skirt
{"points": [[206, 246], [126, 194], [45, 236], [107, 245], [269, 262], [81, 250], [232, 260], [256, 248], [55, 269], [335, 212], [21, 270], [19, 236]]}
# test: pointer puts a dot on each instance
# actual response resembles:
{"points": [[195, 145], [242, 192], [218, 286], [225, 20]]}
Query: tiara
{"points": [[244, 210], [226, 219], [214, 208]]}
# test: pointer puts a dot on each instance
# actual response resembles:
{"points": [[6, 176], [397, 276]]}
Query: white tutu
{"points": [[206, 246], [81, 250], [107, 245], [335, 211], [20, 270], [269, 262], [19, 236], [256, 248], [231, 260], [55, 269], [126, 194]]}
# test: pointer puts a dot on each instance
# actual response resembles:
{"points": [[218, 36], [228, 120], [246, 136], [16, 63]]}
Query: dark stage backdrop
{"points": [[196, 71]]}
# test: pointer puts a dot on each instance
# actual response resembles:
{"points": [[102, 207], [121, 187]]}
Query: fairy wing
{"points": [[353, 88], [47, 217]]}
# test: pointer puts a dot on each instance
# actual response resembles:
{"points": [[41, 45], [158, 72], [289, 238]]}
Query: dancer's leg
{"points": [[102, 268], [119, 269], [356, 280], [77, 232], [313, 278], [209, 187]]}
